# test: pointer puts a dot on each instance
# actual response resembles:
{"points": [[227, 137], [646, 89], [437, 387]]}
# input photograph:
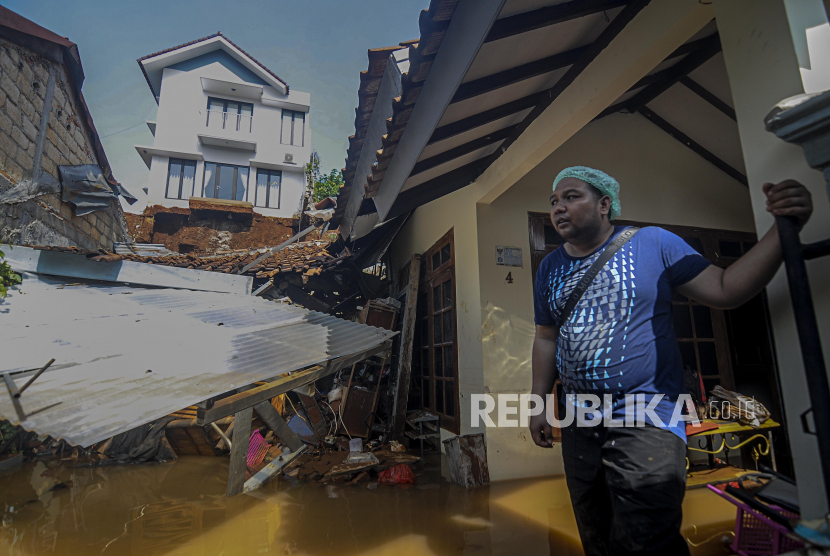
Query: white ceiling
{"points": [[682, 108]]}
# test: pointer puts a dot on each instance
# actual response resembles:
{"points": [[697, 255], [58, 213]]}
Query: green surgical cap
{"points": [[600, 180]]}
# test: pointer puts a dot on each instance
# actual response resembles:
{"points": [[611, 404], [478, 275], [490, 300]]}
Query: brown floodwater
{"points": [[181, 508]]}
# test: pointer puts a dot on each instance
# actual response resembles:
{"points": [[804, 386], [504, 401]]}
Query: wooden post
{"points": [[272, 469], [405, 354], [277, 424], [467, 460], [239, 452]]}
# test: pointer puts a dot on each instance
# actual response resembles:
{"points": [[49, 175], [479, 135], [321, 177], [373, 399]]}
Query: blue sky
{"points": [[317, 46]]}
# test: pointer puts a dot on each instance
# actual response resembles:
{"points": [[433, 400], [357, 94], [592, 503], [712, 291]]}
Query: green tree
{"points": [[328, 185], [312, 171], [8, 278]]}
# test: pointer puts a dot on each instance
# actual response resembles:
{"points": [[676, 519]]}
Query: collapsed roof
{"points": [[128, 354], [297, 257]]}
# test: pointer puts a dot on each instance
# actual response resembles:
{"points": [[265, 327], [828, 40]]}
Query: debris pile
{"points": [[307, 257], [306, 273]]}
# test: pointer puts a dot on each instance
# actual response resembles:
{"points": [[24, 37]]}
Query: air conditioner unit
{"points": [[289, 158]]}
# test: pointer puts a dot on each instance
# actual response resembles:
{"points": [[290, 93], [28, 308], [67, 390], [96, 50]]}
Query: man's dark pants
{"points": [[626, 487]]}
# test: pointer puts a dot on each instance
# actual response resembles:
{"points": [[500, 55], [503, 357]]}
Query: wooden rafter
{"points": [[549, 15], [516, 106], [673, 74], [516, 74], [709, 97], [461, 150], [482, 118], [609, 34], [436, 188], [693, 145], [463, 176]]}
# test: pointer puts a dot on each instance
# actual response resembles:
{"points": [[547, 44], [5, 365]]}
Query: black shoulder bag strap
{"points": [[589, 276]]}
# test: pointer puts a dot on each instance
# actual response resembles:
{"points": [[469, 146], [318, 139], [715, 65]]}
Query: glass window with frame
{"points": [[180, 178], [229, 114], [434, 356], [224, 181], [293, 128], [268, 185]]}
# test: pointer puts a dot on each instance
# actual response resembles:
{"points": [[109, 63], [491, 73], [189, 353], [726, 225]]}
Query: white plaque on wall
{"points": [[508, 256]]}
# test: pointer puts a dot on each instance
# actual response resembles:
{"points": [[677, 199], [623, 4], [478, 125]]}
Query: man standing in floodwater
{"points": [[627, 483]]}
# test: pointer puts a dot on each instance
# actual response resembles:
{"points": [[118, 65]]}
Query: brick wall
{"points": [[46, 220]]}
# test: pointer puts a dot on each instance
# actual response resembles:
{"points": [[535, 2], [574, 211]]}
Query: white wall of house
{"points": [[662, 182], [183, 117], [770, 55]]}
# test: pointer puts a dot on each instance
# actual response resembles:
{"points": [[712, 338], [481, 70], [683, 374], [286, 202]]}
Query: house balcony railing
{"points": [[217, 120]]}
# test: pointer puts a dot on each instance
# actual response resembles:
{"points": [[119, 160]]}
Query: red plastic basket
{"points": [[756, 534], [257, 448]]}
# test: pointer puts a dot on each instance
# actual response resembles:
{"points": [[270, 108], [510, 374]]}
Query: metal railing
{"points": [[217, 119]]}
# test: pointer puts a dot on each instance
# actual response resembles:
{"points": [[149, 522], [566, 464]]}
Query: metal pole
{"points": [[31, 380], [808, 337], [222, 434], [283, 245]]}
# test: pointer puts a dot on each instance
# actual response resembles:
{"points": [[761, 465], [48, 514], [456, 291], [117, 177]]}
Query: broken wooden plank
{"points": [[388, 458], [249, 398], [318, 422], [347, 468], [260, 291], [239, 452], [12, 461], [189, 441], [271, 470], [405, 353], [358, 411], [311, 303], [277, 424], [378, 314]]}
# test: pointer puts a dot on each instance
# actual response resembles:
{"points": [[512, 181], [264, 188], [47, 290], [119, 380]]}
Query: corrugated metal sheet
{"points": [[142, 249], [129, 355]]}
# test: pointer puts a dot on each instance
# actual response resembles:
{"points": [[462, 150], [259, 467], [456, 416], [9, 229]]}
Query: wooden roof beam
{"points": [[709, 97], [478, 120], [516, 106], [461, 150], [673, 74], [436, 188], [471, 22], [519, 73], [589, 55], [693, 145], [549, 15], [638, 39]]}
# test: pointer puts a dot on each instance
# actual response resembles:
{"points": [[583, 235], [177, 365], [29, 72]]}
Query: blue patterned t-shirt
{"points": [[619, 338]]}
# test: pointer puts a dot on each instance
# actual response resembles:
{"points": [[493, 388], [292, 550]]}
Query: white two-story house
{"points": [[227, 128]]}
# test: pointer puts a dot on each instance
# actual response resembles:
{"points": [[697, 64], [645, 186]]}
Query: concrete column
{"points": [[772, 49]]}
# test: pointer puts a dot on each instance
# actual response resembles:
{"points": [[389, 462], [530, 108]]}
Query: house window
{"points": [[435, 353], [293, 128], [180, 178], [268, 185], [223, 181], [229, 114]]}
